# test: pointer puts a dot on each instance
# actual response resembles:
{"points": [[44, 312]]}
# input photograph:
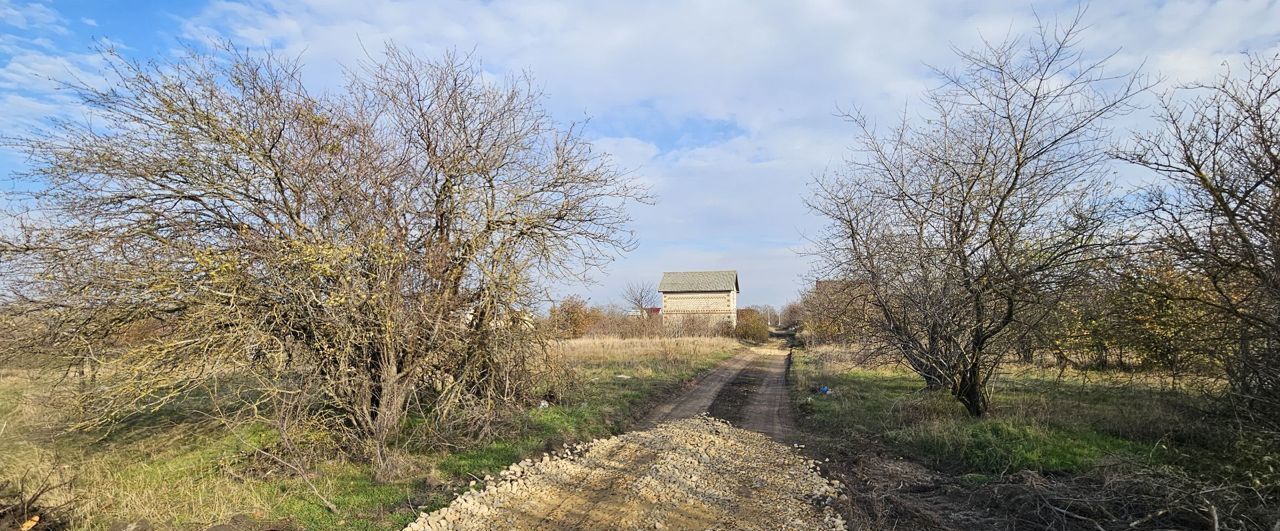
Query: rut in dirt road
{"points": [[697, 400], [681, 470], [757, 398], [749, 390]]}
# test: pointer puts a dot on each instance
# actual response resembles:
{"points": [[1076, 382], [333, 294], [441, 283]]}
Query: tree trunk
{"points": [[932, 375], [387, 409], [969, 391]]}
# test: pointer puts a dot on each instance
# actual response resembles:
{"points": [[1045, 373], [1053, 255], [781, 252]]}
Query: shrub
{"points": [[751, 326]]}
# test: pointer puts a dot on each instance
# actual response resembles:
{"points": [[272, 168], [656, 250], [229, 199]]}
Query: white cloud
{"points": [[30, 16], [776, 71], [43, 72], [725, 108]]}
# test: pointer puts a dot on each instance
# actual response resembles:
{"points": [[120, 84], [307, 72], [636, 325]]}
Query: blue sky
{"points": [[725, 108]]}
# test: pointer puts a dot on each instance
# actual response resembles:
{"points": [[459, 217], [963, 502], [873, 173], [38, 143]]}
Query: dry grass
{"points": [[167, 472], [179, 470], [646, 354], [1087, 415]]}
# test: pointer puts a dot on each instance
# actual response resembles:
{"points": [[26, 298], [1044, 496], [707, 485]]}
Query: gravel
{"points": [[694, 473]]}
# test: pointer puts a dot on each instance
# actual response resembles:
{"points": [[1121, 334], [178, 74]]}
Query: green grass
{"points": [[1004, 445], [178, 470], [1038, 422], [362, 503]]}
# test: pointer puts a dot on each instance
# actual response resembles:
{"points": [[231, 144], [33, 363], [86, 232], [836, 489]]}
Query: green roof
{"points": [[677, 281]]}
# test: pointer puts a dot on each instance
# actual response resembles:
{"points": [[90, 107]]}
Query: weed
{"points": [[176, 469], [1038, 422]]}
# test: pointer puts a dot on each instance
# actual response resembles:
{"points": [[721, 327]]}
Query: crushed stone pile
{"points": [[695, 473]]}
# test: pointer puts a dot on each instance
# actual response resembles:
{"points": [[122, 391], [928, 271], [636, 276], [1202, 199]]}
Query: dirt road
{"points": [[763, 405], [680, 470], [695, 473], [748, 390], [697, 399]]}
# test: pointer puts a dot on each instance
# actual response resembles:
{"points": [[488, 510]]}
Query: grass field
{"points": [[177, 469], [1041, 420], [1060, 450]]}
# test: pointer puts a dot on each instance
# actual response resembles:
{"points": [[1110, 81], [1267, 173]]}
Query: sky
{"points": [[726, 109]]}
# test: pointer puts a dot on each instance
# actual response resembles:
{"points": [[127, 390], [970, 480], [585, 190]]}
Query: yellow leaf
{"points": [[30, 523]]}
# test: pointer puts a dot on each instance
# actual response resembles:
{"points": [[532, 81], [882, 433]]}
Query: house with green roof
{"points": [[709, 297]]}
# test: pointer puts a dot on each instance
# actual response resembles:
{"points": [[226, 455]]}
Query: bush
{"points": [[751, 326], [573, 317]]}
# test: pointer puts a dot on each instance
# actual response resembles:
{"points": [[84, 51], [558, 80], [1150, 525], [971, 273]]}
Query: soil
{"points": [[768, 407], [697, 399], [682, 469], [695, 473]]}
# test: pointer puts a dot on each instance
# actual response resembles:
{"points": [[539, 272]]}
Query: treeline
{"points": [[574, 317], [991, 230]]}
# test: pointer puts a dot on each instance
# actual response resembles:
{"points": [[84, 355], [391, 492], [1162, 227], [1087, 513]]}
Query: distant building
{"points": [[709, 296], [648, 312]]}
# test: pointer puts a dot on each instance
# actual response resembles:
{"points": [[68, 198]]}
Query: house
{"points": [[707, 296], [647, 313]]}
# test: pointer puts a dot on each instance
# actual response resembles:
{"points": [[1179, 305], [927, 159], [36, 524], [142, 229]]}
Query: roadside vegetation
{"points": [[993, 306], [1044, 419], [1113, 448], [181, 468]]}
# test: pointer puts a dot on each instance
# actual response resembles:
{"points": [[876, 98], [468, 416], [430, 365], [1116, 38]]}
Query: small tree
{"points": [[573, 316], [751, 326], [1219, 151], [962, 227], [770, 314], [349, 255], [640, 296], [1136, 311], [792, 315], [834, 311]]}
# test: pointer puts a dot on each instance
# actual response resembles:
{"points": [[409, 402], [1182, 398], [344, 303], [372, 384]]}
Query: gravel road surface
{"points": [[681, 470], [695, 473]]}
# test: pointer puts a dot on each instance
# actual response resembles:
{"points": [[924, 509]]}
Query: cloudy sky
{"points": [[725, 108]]}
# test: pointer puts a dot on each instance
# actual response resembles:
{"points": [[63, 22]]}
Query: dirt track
{"points": [[695, 473], [681, 470], [768, 409], [697, 399], [748, 390]]}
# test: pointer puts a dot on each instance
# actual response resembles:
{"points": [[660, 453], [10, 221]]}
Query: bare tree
{"points": [[957, 228], [1219, 214], [768, 312], [640, 296], [834, 311], [791, 315], [355, 254]]}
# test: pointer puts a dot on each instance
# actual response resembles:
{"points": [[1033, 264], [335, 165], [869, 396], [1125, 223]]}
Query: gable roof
{"points": [[698, 281]]}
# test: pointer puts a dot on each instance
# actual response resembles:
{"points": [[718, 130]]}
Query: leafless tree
{"points": [[958, 226], [792, 315], [834, 311], [1218, 214], [768, 312], [640, 296], [353, 254]]}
